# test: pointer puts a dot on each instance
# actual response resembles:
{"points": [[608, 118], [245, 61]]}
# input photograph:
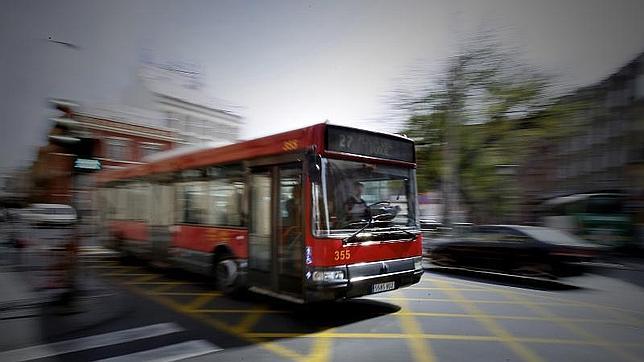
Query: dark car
{"points": [[524, 250]]}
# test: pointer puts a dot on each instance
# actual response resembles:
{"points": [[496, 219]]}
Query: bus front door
{"points": [[276, 238]]}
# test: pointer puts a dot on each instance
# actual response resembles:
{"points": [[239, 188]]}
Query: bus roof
{"points": [[286, 142]]}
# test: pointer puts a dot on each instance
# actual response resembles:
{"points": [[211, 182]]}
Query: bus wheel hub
{"points": [[226, 272]]}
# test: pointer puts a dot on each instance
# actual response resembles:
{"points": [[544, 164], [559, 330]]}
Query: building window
{"points": [[117, 149], [148, 148], [172, 120]]}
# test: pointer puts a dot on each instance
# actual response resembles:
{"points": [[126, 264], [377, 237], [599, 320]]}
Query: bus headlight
{"points": [[328, 276]]}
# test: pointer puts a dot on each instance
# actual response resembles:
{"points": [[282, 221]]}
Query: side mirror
{"points": [[314, 162]]}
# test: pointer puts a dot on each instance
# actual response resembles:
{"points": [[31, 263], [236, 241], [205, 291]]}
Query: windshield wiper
{"points": [[411, 235], [369, 223]]}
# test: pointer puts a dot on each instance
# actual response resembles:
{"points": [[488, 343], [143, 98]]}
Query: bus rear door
{"points": [[161, 218]]}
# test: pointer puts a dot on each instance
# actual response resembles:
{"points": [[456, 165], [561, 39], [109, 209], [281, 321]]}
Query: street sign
{"points": [[87, 164]]}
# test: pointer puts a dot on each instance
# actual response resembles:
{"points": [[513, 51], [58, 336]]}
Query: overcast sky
{"points": [[285, 63]]}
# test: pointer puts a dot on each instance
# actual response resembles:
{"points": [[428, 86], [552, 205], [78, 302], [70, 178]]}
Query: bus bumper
{"points": [[369, 278], [382, 283]]}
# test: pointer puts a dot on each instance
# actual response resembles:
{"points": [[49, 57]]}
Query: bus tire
{"points": [[226, 272]]}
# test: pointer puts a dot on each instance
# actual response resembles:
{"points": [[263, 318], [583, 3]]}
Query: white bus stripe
{"points": [[174, 352], [96, 341]]}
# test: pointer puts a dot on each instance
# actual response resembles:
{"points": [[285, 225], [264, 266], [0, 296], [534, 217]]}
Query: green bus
{"points": [[600, 218]]}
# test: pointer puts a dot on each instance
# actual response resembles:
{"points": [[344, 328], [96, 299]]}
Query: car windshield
{"points": [[605, 205], [352, 195], [552, 236]]}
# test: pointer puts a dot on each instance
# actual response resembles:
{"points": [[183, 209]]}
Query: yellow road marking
{"points": [[128, 274], [430, 336], [170, 293], [547, 315], [322, 347], [439, 289], [469, 306], [99, 261], [154, 283], [223, 311], [162, 288], [144, 278], [259, 338], [114, 266], [462, 300], [510, 317], [201, 300], [621, 314], [564, 301], [169, 303], [422, 351], [249, 320]]}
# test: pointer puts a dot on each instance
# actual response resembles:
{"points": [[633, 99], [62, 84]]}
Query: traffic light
{"points": [[70, 133], [64, 131]]}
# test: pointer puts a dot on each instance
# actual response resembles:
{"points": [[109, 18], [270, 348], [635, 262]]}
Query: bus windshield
{"points": [[353, 195]]}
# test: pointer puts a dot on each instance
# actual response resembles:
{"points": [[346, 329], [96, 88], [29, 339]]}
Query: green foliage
{"points": [[488, 110]]}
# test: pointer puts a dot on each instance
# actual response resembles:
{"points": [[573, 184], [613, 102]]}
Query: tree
{"points": [[470, 130]]}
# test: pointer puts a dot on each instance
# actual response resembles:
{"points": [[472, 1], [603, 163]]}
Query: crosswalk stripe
{"points": [[169, 353], [90, 342]]}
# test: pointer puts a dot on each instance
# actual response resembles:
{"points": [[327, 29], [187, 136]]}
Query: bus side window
{"points": [[225, 202], [194, 202]]}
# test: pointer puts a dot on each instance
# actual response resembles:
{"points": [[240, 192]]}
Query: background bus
{"points": [[271, 214], [597, 217]]}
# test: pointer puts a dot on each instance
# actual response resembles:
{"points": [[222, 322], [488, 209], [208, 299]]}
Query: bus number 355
{"points": [[342, 255]]}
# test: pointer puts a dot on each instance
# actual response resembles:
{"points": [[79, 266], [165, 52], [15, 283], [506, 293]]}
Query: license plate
{"points": [[381, 287]]}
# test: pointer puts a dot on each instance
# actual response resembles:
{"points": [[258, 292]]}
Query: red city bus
{"points": [[319, 213]]}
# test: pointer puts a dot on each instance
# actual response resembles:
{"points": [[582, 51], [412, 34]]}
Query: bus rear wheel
{"points": [[227, 276]]}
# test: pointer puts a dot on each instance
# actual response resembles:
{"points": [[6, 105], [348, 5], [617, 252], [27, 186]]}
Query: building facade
{"points": [[176, 92], [81, 143], [600, 145], [604, 148]]}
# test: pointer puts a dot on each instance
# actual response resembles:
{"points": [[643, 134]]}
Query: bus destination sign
{"points": [[347, 140]]}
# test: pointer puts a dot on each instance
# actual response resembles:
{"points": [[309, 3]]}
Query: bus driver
{"points": [[355, 207]]}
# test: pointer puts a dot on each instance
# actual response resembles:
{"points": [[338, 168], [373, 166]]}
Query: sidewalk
{"points": [[19, 312], [31, 316]]}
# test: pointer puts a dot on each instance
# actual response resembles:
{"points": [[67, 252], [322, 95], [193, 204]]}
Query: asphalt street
{"points": [[446, 317], [449, 316]]}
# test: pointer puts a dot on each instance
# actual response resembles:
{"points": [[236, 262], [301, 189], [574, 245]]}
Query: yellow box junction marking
{"points": [[509, 340], [547, 315], [322, 347], [321, 350], [173, 305], [422, 351], [249, 320], [201, 300], [430, 336], [508, 317], [631, 317]]}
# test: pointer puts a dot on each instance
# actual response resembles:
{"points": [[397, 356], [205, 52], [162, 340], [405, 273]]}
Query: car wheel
{"points": [[441, 259], [535, 270]]}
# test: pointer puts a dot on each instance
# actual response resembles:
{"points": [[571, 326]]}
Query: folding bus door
{"points": [[161, 218], [276, 232]]}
